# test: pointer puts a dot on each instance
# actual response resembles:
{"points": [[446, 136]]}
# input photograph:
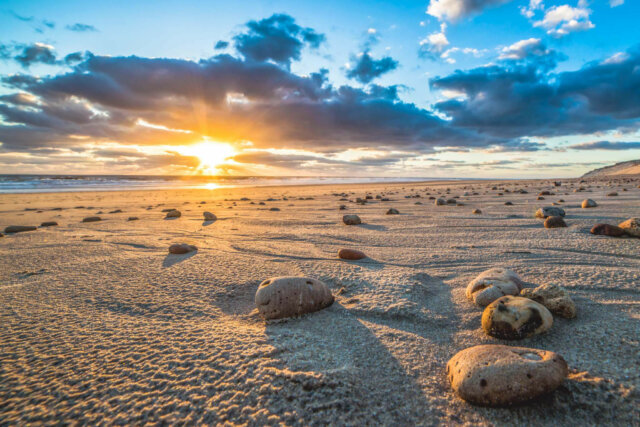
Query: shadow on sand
{"points": [[173, 259]]}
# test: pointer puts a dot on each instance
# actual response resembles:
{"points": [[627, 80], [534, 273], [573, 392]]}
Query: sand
{"points": [[101, 326]]}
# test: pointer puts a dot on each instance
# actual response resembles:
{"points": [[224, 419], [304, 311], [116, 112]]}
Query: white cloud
{"points": [[452, 10], [560, 21], [530, 10], [435, 43], [614, 3], [522, 49]]}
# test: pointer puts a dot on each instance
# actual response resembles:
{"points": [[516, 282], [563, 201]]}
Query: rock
{"points": [[588, 203], [476, 211], [514, 318], [392, 211], [612, 194], [282, 297], [351, 254], [554, 222], [548, 211], [116, 211], [500, 375], [49, 224], [451, 201], [181, 248], [1, 235], [173, 213], [440, 202], [555, 298], [607, 230], [208, 216], [631, 227], [540, 198], [133, 218], [351, 219], [545, 193], [274, 209], [492, 284], [19, 228], [342, 208], [508, 203], [92, 219]]}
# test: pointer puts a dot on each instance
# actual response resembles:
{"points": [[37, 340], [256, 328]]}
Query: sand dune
{"points": [[100, 325]]}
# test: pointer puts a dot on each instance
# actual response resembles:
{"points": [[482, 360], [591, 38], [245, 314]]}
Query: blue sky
{"points": [[434, 121]]}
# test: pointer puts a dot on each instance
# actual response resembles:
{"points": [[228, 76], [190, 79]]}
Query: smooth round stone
{"points": [[274, 209], [392, 211], [607, 230], [133, 218], [631, 226], [553, 297], [554, 222], [589, 203], [548, 211], [440, 202], [173, 213], [49, 224], [181, 248], [281, 297], [499, 375], [19, 228], [92, 219], [476, 212], [492, 284], [351, 254], [208, 216], [351, 219], [514, 318]]}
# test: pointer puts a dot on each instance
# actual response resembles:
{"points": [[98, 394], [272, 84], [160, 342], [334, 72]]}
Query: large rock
{"points": [[607, 230], [499, 375], [548, 211], [492, 284], [19, 228], [351, 219], [282, 297], [181, 248], [554, 298], [351, 254], [392, 211], [554, 222], [92, 219], [631, 227], [208, 216], [514, 318], [440, 202], [589, 203], [49, 224], [174, 213]]}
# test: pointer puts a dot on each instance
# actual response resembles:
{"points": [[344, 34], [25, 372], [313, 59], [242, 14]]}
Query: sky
{"points": [[435, 88]]}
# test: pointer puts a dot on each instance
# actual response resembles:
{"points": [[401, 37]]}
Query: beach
{"points": [[102, 326]]}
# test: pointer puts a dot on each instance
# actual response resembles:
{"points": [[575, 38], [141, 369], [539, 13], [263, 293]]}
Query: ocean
{"points": [[65, 183]]}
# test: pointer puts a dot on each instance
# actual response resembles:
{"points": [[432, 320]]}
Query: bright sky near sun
{"points": [[435, 88]]}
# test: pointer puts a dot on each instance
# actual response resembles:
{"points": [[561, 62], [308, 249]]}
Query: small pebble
{"points": [[351, 254], [554, 222], [181, 248]]}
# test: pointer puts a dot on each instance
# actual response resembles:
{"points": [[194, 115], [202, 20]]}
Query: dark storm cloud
{"points": [[81, 28], [366, 68], [277, 38], [277, 108], [606, 145], [520, 98]]}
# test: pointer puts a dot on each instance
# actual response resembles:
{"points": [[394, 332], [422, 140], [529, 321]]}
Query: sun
{"points": [[211, 154]]}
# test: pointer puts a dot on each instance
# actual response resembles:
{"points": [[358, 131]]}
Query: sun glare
{"points": [[211, 154]]}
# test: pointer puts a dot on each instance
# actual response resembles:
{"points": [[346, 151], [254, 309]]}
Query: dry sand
{"points": [[99, 325]]}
